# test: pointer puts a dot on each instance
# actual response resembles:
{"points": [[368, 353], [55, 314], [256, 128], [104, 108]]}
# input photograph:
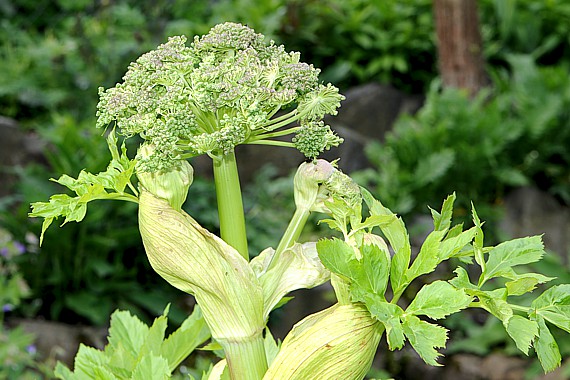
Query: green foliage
{"points": [[365, 267], [89, 187], [478, 147], [136, 351]]}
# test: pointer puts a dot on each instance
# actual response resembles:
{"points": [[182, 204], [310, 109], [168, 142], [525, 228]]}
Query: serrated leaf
{"points": [[428, 257], [522, 331], [438, 300], [454, 231], [374, 269], [337, 256], [367, 275], [88, 187], [155, 337], [524, 283], [374, 221], [151, 367], [462, 281], [185, 339], [479, 237], [442, 221], [128, 331], [554, 306], [546, 348], [511, 253], [425, 338], [101, 373], [63, 373], [451, 246], [86, 360], [398, 238], [389, 315], [495, 302]]}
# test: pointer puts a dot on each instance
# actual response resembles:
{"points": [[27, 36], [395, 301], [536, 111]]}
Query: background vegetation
{"points": [[55, 54]]}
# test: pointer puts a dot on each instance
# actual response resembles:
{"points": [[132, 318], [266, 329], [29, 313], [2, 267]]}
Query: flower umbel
{"points": [[223, 90]]}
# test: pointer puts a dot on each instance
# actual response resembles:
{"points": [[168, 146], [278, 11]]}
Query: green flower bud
{"points": [[337, 343], [198, 262], [307, 181], [171, 185]]}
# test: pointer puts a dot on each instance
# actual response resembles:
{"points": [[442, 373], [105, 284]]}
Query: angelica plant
{"points": [[233, 87]]}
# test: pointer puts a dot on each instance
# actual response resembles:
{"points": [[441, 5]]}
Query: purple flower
{"points": [[31, 349], [21, 248], [4, 252], [7, 307]]}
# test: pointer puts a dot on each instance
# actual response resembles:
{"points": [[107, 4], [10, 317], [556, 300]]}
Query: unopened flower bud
{"points": [[171, 185], [337, 343], [308, 179]]}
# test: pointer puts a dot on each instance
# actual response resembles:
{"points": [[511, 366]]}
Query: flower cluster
{"points": [[222, 90]]}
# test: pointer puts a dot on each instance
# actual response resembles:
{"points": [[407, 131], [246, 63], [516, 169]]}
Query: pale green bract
{"points": [[222, 90]]}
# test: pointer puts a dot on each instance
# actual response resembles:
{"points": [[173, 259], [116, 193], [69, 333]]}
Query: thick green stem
{"points": [[246, 358], [230, 206]]}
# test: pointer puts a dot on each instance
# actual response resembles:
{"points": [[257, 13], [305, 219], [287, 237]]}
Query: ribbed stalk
{"points": [[246, 358], [230, 205]]}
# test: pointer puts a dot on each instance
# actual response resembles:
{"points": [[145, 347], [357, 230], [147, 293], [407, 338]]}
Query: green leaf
{"points": [[438, 300], [185, 339], [337, 256], [87, 360], [462, 280], [522, 331], [554, 306], [510, 253], [374, 221], [478, 241], [63, 373], [398, 238], [367, 275], [101, 373], [524, 283], [450, 247], [373, 270], [127, 331], [88, 187], [389, 315], [151, 367], [427, 258], [495, 302], [546, 348], [154, 338], [425, 338], [442, 221]]}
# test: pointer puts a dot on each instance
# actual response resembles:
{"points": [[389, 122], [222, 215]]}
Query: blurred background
{"points": [[443, 96]]}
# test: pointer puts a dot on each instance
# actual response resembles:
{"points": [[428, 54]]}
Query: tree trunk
{"points": [[461, 62]]}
